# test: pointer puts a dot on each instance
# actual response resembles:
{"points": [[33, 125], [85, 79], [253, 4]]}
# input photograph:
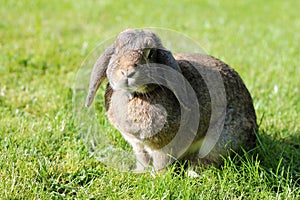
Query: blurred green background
{"points": [[42, 46]]}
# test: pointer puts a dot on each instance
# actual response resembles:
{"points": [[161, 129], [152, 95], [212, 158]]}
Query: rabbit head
{"points": [[121, 62]]}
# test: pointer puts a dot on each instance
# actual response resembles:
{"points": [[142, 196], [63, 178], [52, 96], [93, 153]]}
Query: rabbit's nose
{"points": [[129, 73]]}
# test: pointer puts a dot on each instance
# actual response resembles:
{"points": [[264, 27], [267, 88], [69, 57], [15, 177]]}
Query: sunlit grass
{"points": [[42, 45]]}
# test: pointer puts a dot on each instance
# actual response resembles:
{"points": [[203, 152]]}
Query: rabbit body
{"points": [[149, 116]]}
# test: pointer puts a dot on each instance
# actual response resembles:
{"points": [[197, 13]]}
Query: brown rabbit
{"points": [[150, 113]]}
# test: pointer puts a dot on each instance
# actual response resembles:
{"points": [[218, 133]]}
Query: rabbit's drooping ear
{"points": [[98, 74], [165, 57]]}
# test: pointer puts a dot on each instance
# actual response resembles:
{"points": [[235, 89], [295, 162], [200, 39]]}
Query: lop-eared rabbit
{"points": [[156, 119]]}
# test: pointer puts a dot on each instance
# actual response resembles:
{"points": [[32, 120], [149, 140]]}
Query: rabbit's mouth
{"points": [[130, 85], [133, 82]]}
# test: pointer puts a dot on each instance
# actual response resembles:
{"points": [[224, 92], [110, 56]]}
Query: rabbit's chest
{"points": [[147, 116]]}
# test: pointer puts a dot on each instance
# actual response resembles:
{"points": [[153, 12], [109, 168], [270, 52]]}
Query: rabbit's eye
{"points": [[149, 54]]}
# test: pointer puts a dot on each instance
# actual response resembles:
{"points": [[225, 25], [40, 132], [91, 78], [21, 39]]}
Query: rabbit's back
{"points": [[240, 119]]}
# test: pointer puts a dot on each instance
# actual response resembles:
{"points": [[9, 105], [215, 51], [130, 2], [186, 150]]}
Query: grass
{"points": [[42, 45]]}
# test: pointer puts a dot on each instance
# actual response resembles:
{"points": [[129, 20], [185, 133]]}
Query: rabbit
{"points": [[149, 115]]}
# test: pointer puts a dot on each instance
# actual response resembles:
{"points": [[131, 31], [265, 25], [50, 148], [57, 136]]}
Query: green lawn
{"points": [[42, 46]]}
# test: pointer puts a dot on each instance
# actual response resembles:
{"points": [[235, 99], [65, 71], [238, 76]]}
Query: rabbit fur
{"points": [[148, 116]]}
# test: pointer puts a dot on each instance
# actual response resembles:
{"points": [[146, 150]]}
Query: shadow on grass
{"points": [[280, 156]]}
